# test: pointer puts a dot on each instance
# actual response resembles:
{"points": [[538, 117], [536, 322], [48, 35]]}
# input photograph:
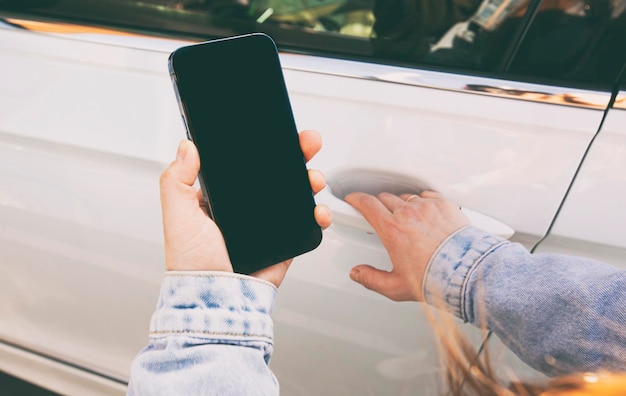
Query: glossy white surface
{"points": [[510, 160], [86, 128], [55, 376], [592, 222]]}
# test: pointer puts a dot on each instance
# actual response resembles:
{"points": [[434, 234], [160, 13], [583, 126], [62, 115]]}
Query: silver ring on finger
{"points": [[409, 198]]}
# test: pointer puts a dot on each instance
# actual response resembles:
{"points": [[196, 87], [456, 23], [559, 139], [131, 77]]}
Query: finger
{"points": [[275, 273], [179, 199], [317, 180], [187, 163], [310, 143], [410, 197], [177, 181], [323, 216], [430, 194], [391, 201], [371, 278], [374, 211]]}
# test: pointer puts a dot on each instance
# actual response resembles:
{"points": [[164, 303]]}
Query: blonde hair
{"points": [[469, 372]]}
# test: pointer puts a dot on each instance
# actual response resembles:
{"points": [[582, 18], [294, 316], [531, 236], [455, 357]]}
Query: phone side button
{"points": [[186, 127]]}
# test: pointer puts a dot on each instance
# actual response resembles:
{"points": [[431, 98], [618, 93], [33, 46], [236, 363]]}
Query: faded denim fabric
{"points": [[211, 334], [559, 314]]}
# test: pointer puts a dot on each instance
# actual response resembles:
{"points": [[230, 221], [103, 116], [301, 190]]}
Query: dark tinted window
{"points": [[575, 40], [570, 41]]}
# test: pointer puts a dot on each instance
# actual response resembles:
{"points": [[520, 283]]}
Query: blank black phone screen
{"points": [[252, 171]]}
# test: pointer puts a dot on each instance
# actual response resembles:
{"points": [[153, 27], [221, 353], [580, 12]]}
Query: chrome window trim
{"points": [[449, 81], [518, 90], [620, 101]]}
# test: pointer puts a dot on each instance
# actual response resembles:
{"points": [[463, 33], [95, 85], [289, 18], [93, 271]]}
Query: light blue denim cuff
{"points": [[214, 304], [451, 265]]}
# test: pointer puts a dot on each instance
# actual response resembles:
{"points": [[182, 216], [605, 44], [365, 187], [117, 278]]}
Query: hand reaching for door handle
{"points": [[411, 227]]}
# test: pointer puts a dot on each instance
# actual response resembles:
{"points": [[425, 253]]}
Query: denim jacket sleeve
{"points": [[559, 314], [211, 334]]}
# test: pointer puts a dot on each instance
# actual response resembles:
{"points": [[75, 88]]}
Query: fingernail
{"points": [[182, 151], [354, 273]]}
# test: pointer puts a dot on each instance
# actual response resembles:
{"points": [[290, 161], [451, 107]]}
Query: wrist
{"points": [[450, 266], [197, 260]]}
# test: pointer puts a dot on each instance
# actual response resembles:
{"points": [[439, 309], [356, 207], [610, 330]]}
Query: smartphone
{"points": [[236, 109]]}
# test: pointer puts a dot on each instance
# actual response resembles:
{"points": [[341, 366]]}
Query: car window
{"points": [[576, 41]]}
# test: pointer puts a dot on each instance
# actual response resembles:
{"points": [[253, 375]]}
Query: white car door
{"points": [[591, 222], [88, 120]]}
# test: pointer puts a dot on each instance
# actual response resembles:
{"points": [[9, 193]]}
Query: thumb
{"points": [[178, 179], [187, 164], [371, 278]]}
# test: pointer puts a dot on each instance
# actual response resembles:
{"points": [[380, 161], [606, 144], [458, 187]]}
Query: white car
{"points": [[512, 109]]}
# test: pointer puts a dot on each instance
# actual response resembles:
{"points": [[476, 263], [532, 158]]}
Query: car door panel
{"points": [[88, 123], [591, 221], [484, 156], [499, 143]]}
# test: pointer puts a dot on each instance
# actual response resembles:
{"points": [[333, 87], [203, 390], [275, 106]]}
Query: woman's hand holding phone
{"points": [[192, 240]]}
